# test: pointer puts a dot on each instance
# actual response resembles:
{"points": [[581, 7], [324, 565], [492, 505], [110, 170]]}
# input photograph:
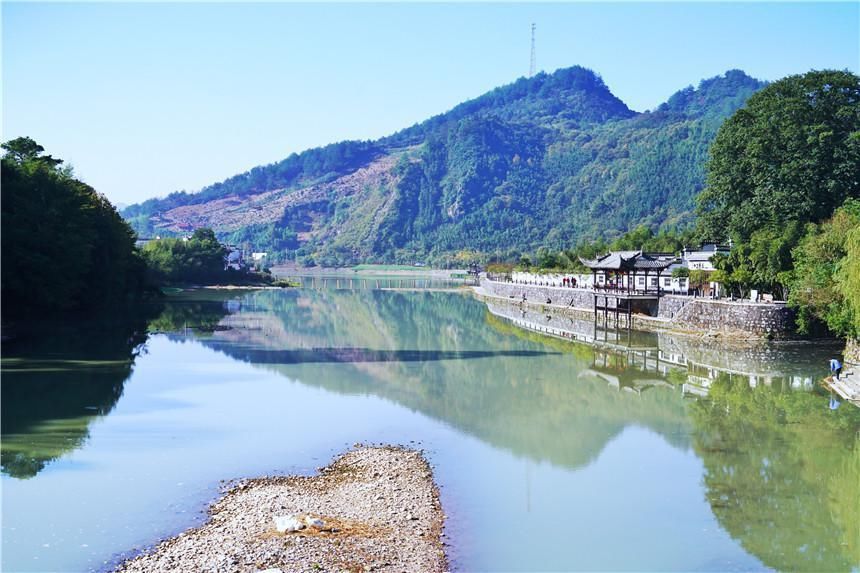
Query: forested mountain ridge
{"points": [[548, 160]]}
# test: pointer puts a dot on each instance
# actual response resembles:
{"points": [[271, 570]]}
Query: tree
{"points": [[792, 154], [825, 279], [64, 246], [848, 277], [699, 278], [789, 158], [546, 259], [23, 150], [196, 259]]}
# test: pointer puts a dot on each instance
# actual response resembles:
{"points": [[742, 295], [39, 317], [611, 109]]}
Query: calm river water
{"points": [[627, 452]]}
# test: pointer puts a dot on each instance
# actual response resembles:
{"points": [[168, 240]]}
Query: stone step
{"points": [[845, 389]]}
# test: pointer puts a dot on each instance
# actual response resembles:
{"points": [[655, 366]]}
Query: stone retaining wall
{"points": [[852, 351], [767, 320], [564, 296]]}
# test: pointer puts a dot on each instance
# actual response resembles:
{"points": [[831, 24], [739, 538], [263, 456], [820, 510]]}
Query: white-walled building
{"points": [[643, 271], [701, 260]]}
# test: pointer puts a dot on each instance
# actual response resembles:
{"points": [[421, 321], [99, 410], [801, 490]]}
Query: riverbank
{"points": [[378, 507], [439, 274], [687, 315]]}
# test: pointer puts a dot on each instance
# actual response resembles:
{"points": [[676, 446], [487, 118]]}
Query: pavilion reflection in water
{"points": [[635, 361]]}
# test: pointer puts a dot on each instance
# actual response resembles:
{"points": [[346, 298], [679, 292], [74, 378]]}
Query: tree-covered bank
{"points": [[64, 246], [783, 183], [66, 249]]}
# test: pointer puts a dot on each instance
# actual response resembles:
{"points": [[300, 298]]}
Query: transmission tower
{"points": [[532, 64]]}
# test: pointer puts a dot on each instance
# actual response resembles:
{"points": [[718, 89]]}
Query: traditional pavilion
{"points": [[625, 281], [631, 272]]}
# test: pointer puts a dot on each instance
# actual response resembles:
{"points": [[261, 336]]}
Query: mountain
{"points": [[549, 160]]}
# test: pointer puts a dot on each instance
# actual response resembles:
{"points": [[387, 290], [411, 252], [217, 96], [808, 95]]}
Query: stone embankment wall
{"points": [[684, 313], [772, 320], [560, 296], [852, 351]]}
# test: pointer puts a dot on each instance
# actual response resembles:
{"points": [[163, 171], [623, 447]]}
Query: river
{"points": [[620, 451]]}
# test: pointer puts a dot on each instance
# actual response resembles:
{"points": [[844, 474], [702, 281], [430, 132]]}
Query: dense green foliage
{"points": [[667, 240], [825, 281], [551, 160], [848, 279], [571, 96], [501, 187], [779, 169], [761, 263], [64, 245], [198, 259], [791, 155]]}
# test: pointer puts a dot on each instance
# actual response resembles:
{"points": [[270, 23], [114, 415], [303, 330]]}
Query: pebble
{"points": [[346, 508]]}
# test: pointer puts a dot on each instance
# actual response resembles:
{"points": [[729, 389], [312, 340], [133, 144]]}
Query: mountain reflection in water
{"points": [[781, 470], [317, 355]]}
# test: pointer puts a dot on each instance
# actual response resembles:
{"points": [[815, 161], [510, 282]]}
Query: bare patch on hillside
{"points": [[231, 213]]}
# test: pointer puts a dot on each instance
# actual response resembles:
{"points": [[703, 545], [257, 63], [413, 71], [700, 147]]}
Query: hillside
{"points": [[549, 160]]}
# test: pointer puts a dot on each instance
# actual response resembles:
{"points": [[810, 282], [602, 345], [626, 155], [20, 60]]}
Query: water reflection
{"points": [[504, 400], [57, 379], [791, 496], [376, 282], [195, 312], [781, 472], [782, 475], [353, 355], [694, 362]]}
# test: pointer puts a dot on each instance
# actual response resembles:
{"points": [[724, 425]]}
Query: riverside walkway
{"points": [[847, 387]]}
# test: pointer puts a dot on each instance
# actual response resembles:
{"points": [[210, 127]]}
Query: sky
{"points": [[146, 99]]}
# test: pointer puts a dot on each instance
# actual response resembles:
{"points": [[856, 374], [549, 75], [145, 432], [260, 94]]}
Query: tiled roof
{"points": [[630, 260]]}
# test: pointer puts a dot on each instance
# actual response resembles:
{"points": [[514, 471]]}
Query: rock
{"points": [[288, 523], [314, 522]]}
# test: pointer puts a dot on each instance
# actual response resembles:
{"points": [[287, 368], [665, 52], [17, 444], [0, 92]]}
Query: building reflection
{"points": [[693, 363]]}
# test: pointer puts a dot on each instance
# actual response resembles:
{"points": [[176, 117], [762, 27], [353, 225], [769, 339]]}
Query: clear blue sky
{"points": [[145, 99]]}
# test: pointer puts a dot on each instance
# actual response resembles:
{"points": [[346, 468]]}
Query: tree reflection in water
{"points": [[782, 473], [60, 376]]}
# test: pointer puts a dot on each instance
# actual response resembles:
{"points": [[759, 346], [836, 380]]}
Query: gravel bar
{"points": [[379, 508]]}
